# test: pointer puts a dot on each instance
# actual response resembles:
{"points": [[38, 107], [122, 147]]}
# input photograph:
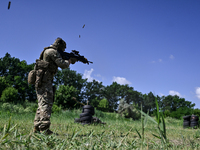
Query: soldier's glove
{"points": [[73, 60]]}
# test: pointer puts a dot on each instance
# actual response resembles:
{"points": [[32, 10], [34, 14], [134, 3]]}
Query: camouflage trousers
{"points": [[45, 96]]}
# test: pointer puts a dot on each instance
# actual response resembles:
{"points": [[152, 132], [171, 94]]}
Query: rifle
{"points": [[74, 54]]}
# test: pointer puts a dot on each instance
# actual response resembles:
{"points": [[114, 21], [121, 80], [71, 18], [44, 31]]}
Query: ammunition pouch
{"points": [[32, 77], [41, 64], [41, 68]]}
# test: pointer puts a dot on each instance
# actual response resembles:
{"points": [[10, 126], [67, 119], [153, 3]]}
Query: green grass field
{"points": [[118, 133]]}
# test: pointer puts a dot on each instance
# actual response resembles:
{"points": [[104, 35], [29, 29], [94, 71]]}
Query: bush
{"points": [[128, 111], [197, 112], [12, 108], [166, 113], [3, 84], [10, 94], [103, 105], [99, 114], [6, 106], [180, 112], [56, 109], [63, 96]]}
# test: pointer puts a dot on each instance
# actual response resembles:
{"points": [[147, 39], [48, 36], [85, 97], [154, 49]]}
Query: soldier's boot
{"points": [[47, 131], [36, 130]]}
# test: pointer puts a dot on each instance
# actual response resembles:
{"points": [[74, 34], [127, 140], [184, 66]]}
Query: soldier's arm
{"points": [[59, 61]]}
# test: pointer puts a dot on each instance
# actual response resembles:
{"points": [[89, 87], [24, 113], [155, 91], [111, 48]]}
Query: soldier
{"points": [[46, 67]]}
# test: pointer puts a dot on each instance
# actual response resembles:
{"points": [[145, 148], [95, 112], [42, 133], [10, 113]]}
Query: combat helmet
{"points": [[60, 43]]}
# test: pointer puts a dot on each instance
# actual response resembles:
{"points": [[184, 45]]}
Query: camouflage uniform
{"points": [[45, 92]]}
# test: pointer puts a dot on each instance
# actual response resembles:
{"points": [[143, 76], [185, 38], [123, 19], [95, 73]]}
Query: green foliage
{"points": [[99, 114], [112, 94], [148, 103], [167, 113], [56, 109], [128, 110], [172, 103], [160, 122], [10, 94], [93, 102], [103, 105], [196, 112], [3, 84], [93, 93], [70, 78], [117, 133], [18, 108], [63, 96], [6, 107], [15, 74], [180, 112]]}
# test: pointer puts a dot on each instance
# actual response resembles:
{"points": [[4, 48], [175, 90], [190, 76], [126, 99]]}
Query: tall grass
{"points": [[118, 133]]}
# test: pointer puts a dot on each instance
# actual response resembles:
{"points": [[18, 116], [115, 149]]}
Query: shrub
{"points": [[6, 106], [30, 106], [128, 110], [56, 108], [180, 112], [10, 94], [3, 84], [29, 110], [63, 96], [99, 114], [166, 113], [197, 112], [103, 105], [12, 108]]}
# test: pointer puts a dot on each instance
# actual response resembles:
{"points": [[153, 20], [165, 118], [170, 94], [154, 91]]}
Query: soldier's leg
{"points": [[45, 106], [37, 122]]}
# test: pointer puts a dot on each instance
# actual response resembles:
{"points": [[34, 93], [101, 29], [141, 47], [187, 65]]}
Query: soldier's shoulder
{"points": [[51, 52]]}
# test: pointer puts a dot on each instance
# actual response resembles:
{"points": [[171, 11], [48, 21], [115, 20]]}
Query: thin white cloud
{"points": [[120, 80], [98, 75], [159, 60], [171, 57], [174, 93], [161, 94], [87, 75], [197, 92]]}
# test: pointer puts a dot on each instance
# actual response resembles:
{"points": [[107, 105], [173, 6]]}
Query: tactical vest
{"points": [[42, 70]]}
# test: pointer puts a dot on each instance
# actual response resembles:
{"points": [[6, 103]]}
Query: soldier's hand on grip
{"points": [[73, 60]]}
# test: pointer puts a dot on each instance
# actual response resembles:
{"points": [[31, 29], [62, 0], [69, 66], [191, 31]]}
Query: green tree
{"points": [[196, 112], [15, 73], [148, 102], [93, 93], [112, 94], [127, 93], [72, 78], [10, 94], [136, 98], [103, 105], [63, 96], [180, 112], [172, 103], [3, 84]]}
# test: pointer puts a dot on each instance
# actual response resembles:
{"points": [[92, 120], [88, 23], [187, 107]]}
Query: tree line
{"points": [[14, 88]]}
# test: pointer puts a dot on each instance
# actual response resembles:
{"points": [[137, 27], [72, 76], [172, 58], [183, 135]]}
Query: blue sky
{"points": [[152, 45]]}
